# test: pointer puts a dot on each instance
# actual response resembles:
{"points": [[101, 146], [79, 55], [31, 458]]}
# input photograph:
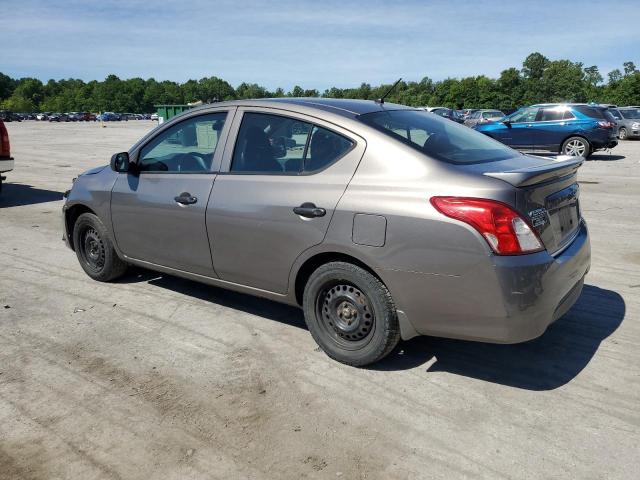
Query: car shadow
{"points": [[545, 363], [227, 298], [19, 194], [605, 157]]}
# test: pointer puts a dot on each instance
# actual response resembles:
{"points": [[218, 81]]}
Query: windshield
{"points": [[615, 114], [438, 137], [632, 113]]}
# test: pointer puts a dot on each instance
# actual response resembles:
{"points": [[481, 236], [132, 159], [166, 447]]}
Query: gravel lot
{"points": [[158, 377]]}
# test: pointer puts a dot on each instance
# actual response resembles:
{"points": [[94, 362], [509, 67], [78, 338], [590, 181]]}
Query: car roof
{"points": [[565, 104], [345, 107]]}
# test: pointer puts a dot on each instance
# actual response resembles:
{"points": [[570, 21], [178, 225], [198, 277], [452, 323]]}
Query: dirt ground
{"points": [[154, 377]]}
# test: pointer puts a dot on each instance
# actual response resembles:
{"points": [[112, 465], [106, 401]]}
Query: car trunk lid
{"points": [[548, 193]]}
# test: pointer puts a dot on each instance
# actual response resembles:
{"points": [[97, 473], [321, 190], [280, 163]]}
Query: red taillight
{"points": [[506, 232], [605, 124], [5, 149]]}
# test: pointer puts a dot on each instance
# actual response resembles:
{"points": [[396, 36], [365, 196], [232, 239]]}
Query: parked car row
{"points": [[576, 129], [72, 116]]}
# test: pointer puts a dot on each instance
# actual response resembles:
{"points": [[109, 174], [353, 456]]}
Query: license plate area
{"points": [[564, 213]]}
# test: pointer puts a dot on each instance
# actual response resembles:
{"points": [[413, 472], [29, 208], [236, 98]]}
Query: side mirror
{"points": [[120, 162]]}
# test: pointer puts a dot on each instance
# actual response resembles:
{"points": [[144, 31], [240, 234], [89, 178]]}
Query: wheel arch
{"points": [[71, 214]]}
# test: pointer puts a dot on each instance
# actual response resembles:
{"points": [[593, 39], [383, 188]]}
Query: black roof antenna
{"points": [[381, 99]]}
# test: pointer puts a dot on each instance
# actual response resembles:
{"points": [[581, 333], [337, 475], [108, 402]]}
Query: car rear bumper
{"points": [[507, 299]]}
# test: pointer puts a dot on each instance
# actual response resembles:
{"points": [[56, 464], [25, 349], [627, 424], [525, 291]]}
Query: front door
{"points": [[275, 200], [518, 133], [158, 209], [552, 126]]}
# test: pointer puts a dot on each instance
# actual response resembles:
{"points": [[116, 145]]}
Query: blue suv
{"points": [[568, 128]]}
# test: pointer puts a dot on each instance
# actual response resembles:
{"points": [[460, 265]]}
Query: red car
{"points": [[6, 160]]}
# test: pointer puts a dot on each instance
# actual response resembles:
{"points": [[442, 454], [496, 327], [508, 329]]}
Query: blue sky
{"points": [[315, 44]]}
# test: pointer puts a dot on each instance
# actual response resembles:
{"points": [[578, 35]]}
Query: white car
{"points": [[154, 116], [41, 116]]}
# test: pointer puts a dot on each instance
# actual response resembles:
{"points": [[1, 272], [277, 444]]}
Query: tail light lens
{"points": [[506, 232], [5, 149], [605, 124]]}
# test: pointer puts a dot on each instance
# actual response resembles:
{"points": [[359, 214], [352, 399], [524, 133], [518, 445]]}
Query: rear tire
{"points": [[95, 250], [622, 133], [576, 147], [350, 314]]}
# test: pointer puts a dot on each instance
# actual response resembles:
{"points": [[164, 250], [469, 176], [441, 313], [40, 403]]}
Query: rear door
{"points": [[158, 210], [282, 176]]}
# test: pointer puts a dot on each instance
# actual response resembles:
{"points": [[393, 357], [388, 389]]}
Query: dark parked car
{"points": [[628, 120], [381, 221], [569, 129], [446, 113], [8, 116], [58, 117], [483, 116]]}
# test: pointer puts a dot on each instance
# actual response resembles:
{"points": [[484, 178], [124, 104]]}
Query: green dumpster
{"points": [[165, 112]]}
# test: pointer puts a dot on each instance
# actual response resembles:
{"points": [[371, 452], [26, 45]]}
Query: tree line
{"points": [[538, 80]]}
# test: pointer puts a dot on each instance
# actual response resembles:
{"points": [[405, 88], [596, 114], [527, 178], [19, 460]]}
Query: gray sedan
{"points": [[382, 222]]}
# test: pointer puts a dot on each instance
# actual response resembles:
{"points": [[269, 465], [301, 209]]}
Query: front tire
{"points": [[576, 147], [622, 133], [95, 250], [350, 314]]}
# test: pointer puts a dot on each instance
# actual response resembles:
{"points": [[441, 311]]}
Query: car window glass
{"points": [[615, 113], [325, 147], [270, 144], [276, 144], [568, 115], [632, 113], [438, 138], [186, 147], [592, 112], [524, 115], [551, 114]]}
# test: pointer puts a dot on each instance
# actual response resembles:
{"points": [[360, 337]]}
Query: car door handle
{"points": [[309, 210], [185, 198]]}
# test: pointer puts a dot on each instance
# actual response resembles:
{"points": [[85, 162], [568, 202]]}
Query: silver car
{"points": [[628, 120], [381, 221], [483, 116]]}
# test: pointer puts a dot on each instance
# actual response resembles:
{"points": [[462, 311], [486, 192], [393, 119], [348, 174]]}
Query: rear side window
{"points": [[438, 138], [592, 112], [551, 115], [273, 144]]}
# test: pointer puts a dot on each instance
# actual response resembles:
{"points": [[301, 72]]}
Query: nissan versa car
{"points": [[569, 129], [381, 221]]}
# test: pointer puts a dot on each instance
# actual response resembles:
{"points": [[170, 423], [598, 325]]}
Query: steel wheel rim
{"points": [[345, 314], [575, 148], [92, 249]]}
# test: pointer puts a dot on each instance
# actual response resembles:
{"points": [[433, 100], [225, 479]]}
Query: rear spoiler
{"points": [[560, 166]]}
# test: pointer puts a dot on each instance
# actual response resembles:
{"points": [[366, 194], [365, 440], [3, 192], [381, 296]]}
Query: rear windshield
{"points": [[438, 137]]}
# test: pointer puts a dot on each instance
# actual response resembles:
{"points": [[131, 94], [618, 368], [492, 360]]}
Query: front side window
{"points": [[273, 144], [186, 147], [525, 115], [632, 113], [437, 137]]}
